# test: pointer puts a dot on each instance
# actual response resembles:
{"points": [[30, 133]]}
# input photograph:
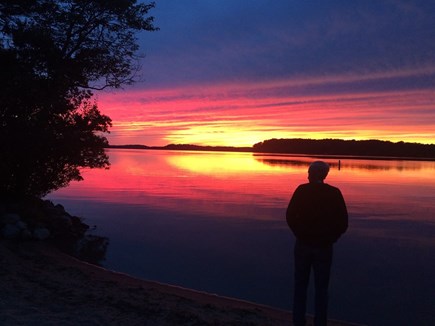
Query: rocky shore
{"points": [[36, 219]]}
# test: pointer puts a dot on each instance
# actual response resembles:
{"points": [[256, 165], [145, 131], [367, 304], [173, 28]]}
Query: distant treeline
{"points": [[374, 148], [187, 147], [207, 148]]}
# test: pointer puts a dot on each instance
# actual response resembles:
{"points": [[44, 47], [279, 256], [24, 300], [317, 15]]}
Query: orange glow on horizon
{"points": [[242, 115]]}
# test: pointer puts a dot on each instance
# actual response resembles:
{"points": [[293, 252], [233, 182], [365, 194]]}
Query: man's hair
{"points": [[319, 170]]}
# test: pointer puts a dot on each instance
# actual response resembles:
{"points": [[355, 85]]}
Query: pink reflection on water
{"points": [[255, 186]]}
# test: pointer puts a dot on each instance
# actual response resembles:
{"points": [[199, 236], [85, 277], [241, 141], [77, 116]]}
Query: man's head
{"points": [[318, 171]]}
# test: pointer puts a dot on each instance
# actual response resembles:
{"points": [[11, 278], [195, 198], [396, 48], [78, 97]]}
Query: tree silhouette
{"points": [[53, 56], [373, 148]]}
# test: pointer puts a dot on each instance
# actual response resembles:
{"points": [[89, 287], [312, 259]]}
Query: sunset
{"points": [[217, 162], [243, 115], [233, 73]]}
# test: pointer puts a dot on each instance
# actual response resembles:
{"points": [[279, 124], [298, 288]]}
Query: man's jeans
{"points": [[319, 259]]}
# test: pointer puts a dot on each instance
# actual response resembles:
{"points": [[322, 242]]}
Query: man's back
{"points": [[317, 214]]}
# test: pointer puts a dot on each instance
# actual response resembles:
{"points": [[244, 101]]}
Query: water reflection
{"points": [[255, 187], [347, 163], [215, 222], [215, 163]]}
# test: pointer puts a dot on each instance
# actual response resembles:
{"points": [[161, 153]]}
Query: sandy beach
{"points": [[40, 285]]}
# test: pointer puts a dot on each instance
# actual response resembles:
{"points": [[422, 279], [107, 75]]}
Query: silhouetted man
{"points": [[317, 215]]}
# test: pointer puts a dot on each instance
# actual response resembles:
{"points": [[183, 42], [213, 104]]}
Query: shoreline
{"points": [[259, 153], [38, 282]]}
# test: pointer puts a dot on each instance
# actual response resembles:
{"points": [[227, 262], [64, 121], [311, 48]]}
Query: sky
{"points": [[237, 72]]}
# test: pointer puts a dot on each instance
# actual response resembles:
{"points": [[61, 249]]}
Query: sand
{"points": [[40, 285]]}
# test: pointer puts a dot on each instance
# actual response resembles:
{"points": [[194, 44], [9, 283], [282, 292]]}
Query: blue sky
{"points": [[237, 60], [215, 41]]}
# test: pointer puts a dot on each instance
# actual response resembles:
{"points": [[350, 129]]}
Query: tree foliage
{"points": [[53, 56]]}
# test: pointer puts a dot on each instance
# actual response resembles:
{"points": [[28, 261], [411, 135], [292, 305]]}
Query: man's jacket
{"points": [[317, 214]]}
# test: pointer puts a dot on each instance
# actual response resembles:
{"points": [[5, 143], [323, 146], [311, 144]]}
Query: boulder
{"points": [[21, 225], [26, 234], [10, 218], [41, 233], [10, 231], [60, 208]]}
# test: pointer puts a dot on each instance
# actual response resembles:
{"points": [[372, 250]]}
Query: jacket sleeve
{"points": [[293, 211], [342, 214]]}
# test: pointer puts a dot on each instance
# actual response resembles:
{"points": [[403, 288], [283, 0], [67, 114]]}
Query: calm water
{"points": [[215, 222]]}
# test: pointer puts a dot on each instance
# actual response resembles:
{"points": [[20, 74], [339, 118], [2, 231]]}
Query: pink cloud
{"points": [[251, 112]]}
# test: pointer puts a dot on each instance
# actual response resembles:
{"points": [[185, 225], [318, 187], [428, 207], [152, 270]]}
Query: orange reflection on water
{"points": [[209, 183], [254, 186], [222, 164]]}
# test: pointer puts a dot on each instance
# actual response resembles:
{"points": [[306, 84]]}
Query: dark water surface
{"points": [[215, 222]]}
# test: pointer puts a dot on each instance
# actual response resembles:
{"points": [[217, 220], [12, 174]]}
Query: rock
{"points": [[41, 233], [92, 249], [10, 231], [47, 204], [21, 225], [66, 219], [10, 218], [26, 234], [53, 211]]}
